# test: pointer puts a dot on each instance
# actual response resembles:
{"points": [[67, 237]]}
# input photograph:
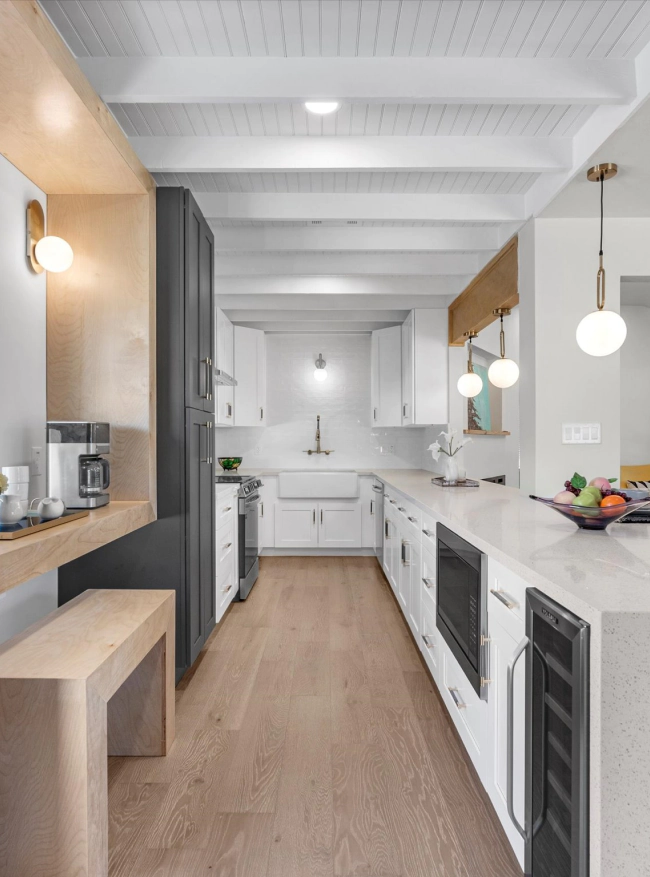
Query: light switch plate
{"points": [[581, 433], [37, 461]]}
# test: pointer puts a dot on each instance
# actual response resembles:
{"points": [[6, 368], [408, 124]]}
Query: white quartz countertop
{"points": [[588, 572]]}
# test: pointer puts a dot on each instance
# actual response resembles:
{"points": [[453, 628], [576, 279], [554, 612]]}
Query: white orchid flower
{"points": [[435, 450], [449, 435]]}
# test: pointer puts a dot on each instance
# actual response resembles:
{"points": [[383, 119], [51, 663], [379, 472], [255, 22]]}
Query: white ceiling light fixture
{"points": [[45, 252], [503, 372], [470, 384], [601, 332], [322, 107], [320, 372]]}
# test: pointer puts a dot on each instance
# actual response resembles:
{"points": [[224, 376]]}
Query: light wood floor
{"points": [[310, 743]]}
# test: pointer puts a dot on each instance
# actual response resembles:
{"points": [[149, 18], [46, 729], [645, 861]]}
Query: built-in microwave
{"points": [[461, 605]]}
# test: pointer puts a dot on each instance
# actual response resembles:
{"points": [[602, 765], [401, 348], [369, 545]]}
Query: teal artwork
{"points": [[479, 415]]}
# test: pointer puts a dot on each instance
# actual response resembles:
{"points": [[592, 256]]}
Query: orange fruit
{"points": [[611, 500]]}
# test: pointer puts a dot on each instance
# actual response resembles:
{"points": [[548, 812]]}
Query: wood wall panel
{"points": [[495, 286], [99, 329], [53, 126]]}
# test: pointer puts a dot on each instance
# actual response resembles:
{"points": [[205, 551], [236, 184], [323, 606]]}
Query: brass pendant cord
{"points": [[470, 364], [600, 277]]}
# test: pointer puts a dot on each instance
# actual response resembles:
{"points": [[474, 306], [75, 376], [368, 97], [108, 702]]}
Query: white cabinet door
{"points": [[268, 496], [386, 377], [394, 556], [502, 647], [249, 372], [404, 574], [415, 602], [339, 524], [224, 360], [368, 500], [295, 524], [408, 365]]}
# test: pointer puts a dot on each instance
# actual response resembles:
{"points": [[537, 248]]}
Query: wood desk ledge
{"points": [[95, 678], [33, 555]]}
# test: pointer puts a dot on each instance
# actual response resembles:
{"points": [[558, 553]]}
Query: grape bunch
{"points": [[574, 490]]}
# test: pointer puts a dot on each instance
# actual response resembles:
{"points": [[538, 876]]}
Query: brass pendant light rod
{"points": [[598, 174], [501, 313], [470, 336]]}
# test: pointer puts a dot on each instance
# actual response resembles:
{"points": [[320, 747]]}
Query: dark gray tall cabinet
{"points": [[177, 551]]}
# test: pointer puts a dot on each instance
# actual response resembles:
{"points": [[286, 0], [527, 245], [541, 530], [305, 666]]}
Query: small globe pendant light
{"points": [[601, 332], [470, 384], [503, 372]]}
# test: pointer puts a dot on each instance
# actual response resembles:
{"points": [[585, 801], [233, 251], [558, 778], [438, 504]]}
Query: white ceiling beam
{"points": [[270, 154], [265, 264], [345, 206], [308, 315], [303, 327], [378, 80], [331, 287], [292, 239], [602, 123], [295, 300]]}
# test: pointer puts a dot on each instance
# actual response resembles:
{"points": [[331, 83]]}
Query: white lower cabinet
{"points": [[502, 648], [468, 711], [227, 566], [324, 524], [266, 512]]}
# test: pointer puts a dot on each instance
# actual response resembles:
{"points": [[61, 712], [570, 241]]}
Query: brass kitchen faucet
{"points": [[318, 447]]}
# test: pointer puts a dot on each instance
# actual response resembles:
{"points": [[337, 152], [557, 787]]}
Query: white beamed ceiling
{"points": [[460, 119]]}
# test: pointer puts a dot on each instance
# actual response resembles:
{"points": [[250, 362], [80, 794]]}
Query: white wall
{"points": [[558, 260], [22, 364], [294, 399], [635, 384]]}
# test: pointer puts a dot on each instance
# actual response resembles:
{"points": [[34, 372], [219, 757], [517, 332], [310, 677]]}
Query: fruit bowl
{"points": [[230, 464], [593, 518]]}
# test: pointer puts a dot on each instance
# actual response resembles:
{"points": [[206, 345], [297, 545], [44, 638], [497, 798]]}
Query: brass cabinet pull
{"points": [[456, 698], [208, 458], [505, 598], [428, 583], [428, 641], [225, 590]]}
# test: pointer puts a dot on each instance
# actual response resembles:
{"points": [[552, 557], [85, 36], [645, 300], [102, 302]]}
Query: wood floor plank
{"points": [[250, 784], [420, 686], [132, 807], [311, 674], [303, 826], [184, 818], [238, 847], [344, 633], [363, 842], [352, 719]]}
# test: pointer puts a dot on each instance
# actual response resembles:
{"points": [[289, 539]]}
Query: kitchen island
{"points": [[603, 578]]}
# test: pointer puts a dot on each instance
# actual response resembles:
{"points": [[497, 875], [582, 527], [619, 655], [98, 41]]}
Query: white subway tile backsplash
{"points": [[294, 398]]}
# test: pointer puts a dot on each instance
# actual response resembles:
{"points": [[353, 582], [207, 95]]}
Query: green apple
{"points": [[595, 490], [586, 499]]}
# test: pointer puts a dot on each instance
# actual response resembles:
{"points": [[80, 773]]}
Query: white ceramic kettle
{"points": [[51, 508]]}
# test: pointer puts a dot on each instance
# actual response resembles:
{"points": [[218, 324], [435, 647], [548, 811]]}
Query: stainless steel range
{"points": [[248, 543]]}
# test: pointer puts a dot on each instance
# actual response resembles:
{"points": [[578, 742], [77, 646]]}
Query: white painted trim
{"points": [[267, 264], [317, 552]]}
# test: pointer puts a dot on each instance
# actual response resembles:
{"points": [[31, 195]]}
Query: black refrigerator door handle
{"points": [[510, 687]]}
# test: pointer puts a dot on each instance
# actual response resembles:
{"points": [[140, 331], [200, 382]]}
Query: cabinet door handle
{"points": [[510, 685], [460, 704], [261, 510], [400, 509], [321, 516], [505, 598], [428, 641], [208, 457], [228, 509], [428, 583], [404, 560], [392, 501], [227, 545], [386, 530], [404, 410], [314, 516], [372, 507], [225, 590], [429, 533], [229, 407], [412, 520], [374, 413], [207, 362], [261, 414]]}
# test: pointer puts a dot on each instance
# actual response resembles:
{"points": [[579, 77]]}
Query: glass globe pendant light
{"points": [[503, 372], [320, 372], [601, 332], [470, 384]]}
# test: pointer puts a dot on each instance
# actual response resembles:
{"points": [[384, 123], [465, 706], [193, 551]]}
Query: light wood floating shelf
{"points": [[486, 432], [34, 555]]}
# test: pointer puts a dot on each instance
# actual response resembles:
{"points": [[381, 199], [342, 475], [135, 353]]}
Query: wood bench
{"points": [[95, 678]]}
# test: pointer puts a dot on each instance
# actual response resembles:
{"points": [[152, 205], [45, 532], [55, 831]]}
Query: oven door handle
{"points": [[510, 685]]}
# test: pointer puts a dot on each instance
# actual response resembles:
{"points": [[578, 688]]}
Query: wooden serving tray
{"points": [[27, 526]]}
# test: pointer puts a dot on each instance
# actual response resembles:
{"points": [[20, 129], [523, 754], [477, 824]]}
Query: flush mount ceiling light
{"points": [[320, 372], [601, 332], [470, 384], [45, 252], [322, 107], [503, 372]]}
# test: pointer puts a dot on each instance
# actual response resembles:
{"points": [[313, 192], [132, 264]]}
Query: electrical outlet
{"points": [[387, 450], [37, 461]]}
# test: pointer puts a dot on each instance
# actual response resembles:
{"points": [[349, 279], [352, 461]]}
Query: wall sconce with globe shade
{"points": [[320, 372], [45, 252], [503, 372], [470, 384]]}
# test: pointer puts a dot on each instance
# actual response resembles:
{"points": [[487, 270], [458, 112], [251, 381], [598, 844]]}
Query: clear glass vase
{"points": [[450, 469]]}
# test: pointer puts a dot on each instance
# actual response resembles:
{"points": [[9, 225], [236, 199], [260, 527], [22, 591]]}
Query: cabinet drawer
{"points": [[225, 546], [428, 533], [468, 711], [410, 517], [226, 590], [226, 508], [428, 581], [506, 596], [430, 639]]}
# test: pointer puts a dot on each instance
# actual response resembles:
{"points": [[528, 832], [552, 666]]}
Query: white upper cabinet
{"points": [[224, 360], [424, 368], [250, 374], [386, 377]]}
